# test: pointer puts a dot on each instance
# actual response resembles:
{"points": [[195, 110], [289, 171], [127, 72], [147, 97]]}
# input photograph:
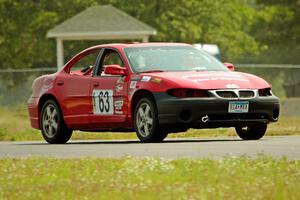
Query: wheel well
{"points": [[137, 96], [45, 98]]}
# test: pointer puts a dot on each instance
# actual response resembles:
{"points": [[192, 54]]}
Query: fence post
{"points": [[59, 53]]}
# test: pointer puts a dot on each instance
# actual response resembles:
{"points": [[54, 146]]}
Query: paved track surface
{"points": [[288, 146]]}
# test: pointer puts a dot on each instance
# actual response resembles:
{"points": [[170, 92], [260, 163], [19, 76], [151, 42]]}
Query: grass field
{"points": [[14, 126], [146, 178], [149, 178]]}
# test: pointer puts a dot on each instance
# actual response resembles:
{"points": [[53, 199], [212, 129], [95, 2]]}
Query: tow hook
{"points": [[205, 118]]}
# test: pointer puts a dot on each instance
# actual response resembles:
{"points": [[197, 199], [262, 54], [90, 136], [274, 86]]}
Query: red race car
{"points": [[152, 88]]}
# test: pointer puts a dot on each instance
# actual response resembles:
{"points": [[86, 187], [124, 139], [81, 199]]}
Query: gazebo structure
{"points": [[99, 23]]}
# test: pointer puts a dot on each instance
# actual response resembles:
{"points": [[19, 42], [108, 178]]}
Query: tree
{"points": [[246, 31], [277, 28], [23, 28], [226, 23]]}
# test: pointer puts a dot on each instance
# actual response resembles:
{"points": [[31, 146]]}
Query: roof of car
{"points": [[137, 44]]}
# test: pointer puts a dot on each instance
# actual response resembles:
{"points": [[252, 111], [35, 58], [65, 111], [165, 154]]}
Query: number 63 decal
{"points": [[103, 102]]}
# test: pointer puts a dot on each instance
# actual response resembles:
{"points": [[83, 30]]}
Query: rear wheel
{"points": [[52, 124], [251, 132], [146, 122]]}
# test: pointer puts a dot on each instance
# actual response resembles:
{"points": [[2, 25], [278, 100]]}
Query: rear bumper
{"points": [[213, 112], [33, 111]]}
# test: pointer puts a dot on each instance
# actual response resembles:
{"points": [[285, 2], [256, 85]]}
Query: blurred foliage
{"points": [[276, 77], [247, 31], [277, 28], [23, 28], [220, 22]]}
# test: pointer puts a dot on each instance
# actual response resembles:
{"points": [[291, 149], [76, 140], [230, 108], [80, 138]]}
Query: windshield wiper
{"points": [[150, 71], [199, 68]]}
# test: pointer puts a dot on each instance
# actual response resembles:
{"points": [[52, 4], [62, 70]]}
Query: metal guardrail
{"points": [[281, 66], [28, 70]]}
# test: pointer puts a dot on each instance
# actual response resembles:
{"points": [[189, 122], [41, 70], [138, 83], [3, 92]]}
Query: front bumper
{"points": [[212, 112]]}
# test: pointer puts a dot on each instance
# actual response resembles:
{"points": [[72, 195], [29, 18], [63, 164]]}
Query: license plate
{"points": [[238, 107]]}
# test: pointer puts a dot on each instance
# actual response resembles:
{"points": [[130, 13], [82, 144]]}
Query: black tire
{"points": [[251, 132], [160, 136], [52, 124], [146, 122]]}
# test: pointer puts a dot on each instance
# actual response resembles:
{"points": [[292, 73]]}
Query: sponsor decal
{"points": [[215, 77], [119, 87], [232, 86], [120, 112], [202, 79], [210, 74], [119, 106], [130, 92], [119, 103], [205, 77], [135, 78], [155, 80], [121, 80], [133, 84], [146, 78]]}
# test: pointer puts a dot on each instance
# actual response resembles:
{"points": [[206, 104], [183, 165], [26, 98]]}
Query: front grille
{"points": [[227, 94], [234, 94], [246, 94]]}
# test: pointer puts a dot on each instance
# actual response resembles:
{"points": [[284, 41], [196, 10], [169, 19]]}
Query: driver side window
{"points": [[110, 57], [85, 65]]}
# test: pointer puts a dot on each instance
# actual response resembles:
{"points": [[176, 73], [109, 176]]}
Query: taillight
{"points": [[181, 93], [265, 92]]}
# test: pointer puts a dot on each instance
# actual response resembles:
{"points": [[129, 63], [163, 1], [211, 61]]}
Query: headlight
{"points": [[265, 92]]}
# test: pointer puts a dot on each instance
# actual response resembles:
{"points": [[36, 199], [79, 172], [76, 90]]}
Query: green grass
{"points": [[14, 126], [149, 178]]}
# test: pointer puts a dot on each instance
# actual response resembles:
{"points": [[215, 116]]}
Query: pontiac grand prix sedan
{"points": [[152, 88]]}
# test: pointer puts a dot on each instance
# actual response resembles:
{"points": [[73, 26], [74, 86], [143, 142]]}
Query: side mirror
{"points": [[230, 66], [115, 70]]}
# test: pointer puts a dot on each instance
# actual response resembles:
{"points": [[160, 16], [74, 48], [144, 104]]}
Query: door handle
{"points": [[60, 82], [96, 84]]}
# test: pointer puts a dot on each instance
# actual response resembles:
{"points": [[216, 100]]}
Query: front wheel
{"points": [[251, 132], [146, 122], [52, 124]]}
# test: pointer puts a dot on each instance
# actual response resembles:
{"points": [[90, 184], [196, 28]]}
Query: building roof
{"points": [[101, 21]]}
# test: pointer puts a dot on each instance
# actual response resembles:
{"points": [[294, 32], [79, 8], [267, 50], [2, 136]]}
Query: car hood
{"points": [[212, 79]]}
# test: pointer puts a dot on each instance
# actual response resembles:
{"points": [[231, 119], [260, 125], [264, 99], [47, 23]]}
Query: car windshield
{"points": [[171, 58]]}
